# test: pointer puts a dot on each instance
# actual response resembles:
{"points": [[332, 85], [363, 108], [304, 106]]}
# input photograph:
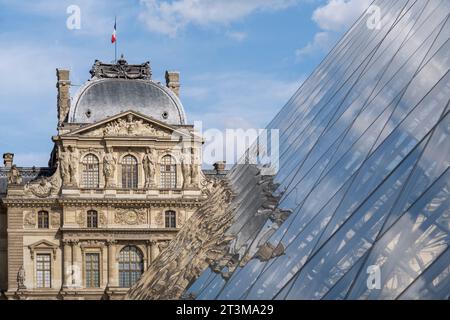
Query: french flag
{"points": [[114, 37]]}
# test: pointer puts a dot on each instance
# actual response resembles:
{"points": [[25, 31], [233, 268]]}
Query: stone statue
{"points": [[73, 166], [195, 169], [186, 171], [14, 176], [149, 168], [64, 166], [21, 278], [109, 167]]}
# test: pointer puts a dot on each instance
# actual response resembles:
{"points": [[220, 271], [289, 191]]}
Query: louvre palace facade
{"points": [[124, 176]]}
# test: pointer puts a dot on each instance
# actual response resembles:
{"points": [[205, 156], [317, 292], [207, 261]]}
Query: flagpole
{"points": [[115, 42]]}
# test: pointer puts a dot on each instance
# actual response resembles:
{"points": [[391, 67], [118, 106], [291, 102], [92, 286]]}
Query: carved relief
{"points": [[43, 187], [149, 168], [180, 219], [130, 216], [129, 127], [30, 219], [109, 167], [14, 176], [159, 219], [55, 220], [81, 219]]}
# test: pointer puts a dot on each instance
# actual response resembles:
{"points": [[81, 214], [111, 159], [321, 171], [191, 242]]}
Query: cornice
{"points": [[73, 202]]}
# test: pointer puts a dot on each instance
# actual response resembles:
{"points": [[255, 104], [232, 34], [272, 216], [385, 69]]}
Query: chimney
{"points": [[173, 81], [8, 159], [63, 86]]}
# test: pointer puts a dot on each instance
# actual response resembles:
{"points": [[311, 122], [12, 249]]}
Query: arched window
{"points": [[168, 173], [90, 172], [43, 220], [131, 266], [171, 219], [92, 219], [129, 172]]}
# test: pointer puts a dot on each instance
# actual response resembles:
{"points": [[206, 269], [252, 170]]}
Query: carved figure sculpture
{"points": [[149, 168], [14, 176], [109, 167]]}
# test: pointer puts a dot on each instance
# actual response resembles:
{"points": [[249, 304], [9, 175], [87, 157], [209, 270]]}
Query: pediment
{"points": [[43, 244], [128, 124]]}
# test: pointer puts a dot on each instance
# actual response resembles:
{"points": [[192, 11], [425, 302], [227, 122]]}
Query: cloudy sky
{"points": [[240, 61]]}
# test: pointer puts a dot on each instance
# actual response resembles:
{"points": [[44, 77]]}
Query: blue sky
{"points": [[240, 61]]}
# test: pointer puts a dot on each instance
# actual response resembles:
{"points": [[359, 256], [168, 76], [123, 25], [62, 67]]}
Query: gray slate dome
{"points": [[118, 88]]}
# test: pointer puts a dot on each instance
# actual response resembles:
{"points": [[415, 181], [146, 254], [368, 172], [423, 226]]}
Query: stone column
{"points": [[77, 260], [111, 263], [67, 272], [150, 257]]}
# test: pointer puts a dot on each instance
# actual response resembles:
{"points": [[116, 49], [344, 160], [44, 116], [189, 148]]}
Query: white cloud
{"points": [[338, 15], [170, 17], [237, 99], [322, 42], [334, 17], [237, 36]]}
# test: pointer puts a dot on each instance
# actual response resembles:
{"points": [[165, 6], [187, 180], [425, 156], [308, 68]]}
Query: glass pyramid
{"points": [[363, 172]]}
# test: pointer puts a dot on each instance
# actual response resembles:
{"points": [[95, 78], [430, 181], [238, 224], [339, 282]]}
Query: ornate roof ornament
{"points": [[121, 70]]}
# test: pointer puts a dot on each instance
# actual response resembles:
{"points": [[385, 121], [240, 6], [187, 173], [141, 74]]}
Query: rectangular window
{"points": [[92, 270], [43, 220], [92, 219], [43, 271], [171, 219]]}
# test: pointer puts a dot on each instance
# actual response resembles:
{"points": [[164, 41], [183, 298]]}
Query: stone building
{"points": [[124, 176]]}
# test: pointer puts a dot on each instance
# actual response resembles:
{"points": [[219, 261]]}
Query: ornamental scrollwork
{"points": [[130, 216]]}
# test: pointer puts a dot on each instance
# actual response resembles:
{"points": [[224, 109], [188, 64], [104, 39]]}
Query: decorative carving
{"points": [[81, 219], [30, 219], [68, 159], [129, 127], [21, 278], [14, 176], [102, 219], [130, 216], [159, 219], [55, 219], [149, 168], [43, 187], [121, 70], [109, 167]]}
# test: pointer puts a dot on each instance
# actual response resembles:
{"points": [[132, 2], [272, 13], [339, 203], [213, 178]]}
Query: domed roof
{"points": [[114, 89]]}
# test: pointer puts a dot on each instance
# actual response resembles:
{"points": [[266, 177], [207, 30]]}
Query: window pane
{"points": [[43, 271], [43, 220], [92, 219], [168, 173], [131, 266], [90, 172], [129, 172], [92, 270]]}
